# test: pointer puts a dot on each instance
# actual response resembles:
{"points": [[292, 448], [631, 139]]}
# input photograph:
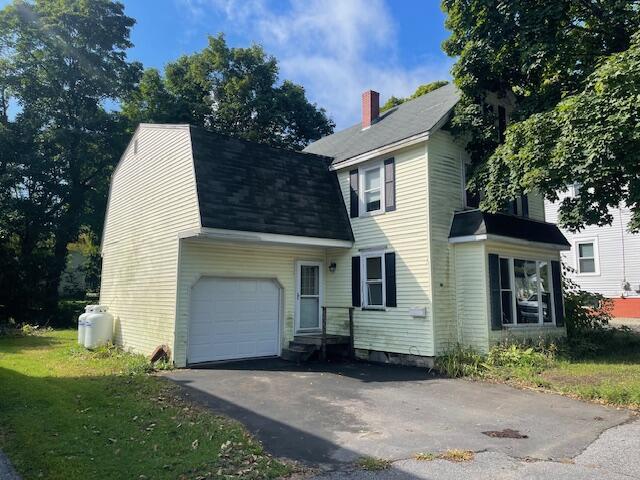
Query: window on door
{"points": [[526, 292], [373, 280], [309, 296], [587, 258]]}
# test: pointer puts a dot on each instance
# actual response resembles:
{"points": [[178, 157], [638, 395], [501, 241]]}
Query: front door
{"points": [[308, 296]]}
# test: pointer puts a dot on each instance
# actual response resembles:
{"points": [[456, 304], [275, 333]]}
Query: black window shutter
{"points": [[355, 282], [514, 206], [389, 185], [525, 205], [558, 301], [353, 186], [494, 292], [390, 278]]}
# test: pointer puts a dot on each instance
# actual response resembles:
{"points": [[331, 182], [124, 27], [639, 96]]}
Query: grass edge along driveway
{"points": [[66, 413]]}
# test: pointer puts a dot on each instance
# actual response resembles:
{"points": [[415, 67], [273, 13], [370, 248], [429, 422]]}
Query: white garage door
{"points": [[233, 318]]}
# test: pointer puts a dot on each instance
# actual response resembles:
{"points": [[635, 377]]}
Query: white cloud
{"points": [[335, 48]]}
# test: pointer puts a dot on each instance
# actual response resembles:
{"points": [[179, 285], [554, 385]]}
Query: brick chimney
{"points": [[370, 108]]}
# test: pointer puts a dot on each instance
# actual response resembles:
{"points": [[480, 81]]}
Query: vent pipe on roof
{"points": [[370, 108]]}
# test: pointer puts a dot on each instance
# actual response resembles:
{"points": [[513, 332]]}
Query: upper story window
{"points": [[373, 189], [587, 253]]}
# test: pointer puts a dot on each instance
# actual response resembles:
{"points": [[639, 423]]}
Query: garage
{"points": [[233, 318]]}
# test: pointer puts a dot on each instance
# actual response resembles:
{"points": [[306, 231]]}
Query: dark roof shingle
{"points": [[406, 120], [476, 222], [252, 187]]}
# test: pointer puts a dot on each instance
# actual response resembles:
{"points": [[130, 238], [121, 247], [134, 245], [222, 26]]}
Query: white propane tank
{"points": [[87, 310], [98, 327]]}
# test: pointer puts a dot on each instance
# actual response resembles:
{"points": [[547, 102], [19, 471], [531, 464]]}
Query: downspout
{"points": [[624, 261]]}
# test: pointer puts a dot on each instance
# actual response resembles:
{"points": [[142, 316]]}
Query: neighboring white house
{"points": [[604, 260], [226, 249]]}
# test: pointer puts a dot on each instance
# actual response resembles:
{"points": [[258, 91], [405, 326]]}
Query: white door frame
{"points": [[320, 265]]}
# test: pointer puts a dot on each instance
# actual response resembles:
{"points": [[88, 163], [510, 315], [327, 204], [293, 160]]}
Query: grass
{"points": [[452, 455], [66, 413], [373, 464], [456, 455], [608, 372]]}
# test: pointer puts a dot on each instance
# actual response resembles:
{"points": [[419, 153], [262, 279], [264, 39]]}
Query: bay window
{"points": [[526, 292]]}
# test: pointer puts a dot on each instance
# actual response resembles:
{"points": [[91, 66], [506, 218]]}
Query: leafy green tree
{"points": [[234, 91], [61, 61], [559, 61], [421, 90]]}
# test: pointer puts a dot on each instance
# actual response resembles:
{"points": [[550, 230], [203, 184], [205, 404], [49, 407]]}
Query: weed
{"points": [[425, 456], [373, 464], [455, 455], [461, 362]]}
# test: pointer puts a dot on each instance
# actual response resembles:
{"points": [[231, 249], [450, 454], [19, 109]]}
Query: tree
{"points": [[421, 90], [558, 60], [234, 91], [61, 60]]}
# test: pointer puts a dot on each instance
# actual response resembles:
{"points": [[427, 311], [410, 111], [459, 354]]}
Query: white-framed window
{"points": [[526, 292], [587, 262], [373, 280], [372, 189]]}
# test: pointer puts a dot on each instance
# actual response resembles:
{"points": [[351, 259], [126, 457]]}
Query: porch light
{"points": [[332, 267]]}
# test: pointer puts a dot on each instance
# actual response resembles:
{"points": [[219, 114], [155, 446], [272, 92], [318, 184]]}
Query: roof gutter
{"points": [[363, 157], [503, 239], [259, 237]]}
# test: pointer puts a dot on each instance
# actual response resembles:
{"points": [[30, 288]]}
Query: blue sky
{"points": [[334, 48]]}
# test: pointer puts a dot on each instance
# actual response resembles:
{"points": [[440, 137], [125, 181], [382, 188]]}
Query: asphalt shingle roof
{"points": [[475, 222], [253, 187], [404, 121]]}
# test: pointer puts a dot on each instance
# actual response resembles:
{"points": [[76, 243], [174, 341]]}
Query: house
{"points": [[226, 249], [604, 259]]}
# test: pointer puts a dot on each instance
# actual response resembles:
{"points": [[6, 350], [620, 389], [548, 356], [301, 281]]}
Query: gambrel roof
{"points": [[248, 186]]}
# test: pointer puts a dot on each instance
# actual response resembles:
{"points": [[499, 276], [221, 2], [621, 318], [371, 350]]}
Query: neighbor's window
{"points": [[373, 280], [586, 257], [372, 189], [526, 292]]}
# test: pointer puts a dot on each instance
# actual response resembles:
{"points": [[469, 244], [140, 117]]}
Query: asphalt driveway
{"points": [[330, 415]]}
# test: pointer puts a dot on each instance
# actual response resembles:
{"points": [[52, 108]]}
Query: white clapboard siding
{"points": [[446, 190], [471, 295], [618, 253], [152, 198], [403, 231], [206, 257]]}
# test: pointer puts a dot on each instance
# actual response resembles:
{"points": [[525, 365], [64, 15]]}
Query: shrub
{"points": [[585, 312]]}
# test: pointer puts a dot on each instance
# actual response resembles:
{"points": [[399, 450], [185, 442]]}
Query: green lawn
{"points": [[616, 382], [69, 414], [611, 377]]}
